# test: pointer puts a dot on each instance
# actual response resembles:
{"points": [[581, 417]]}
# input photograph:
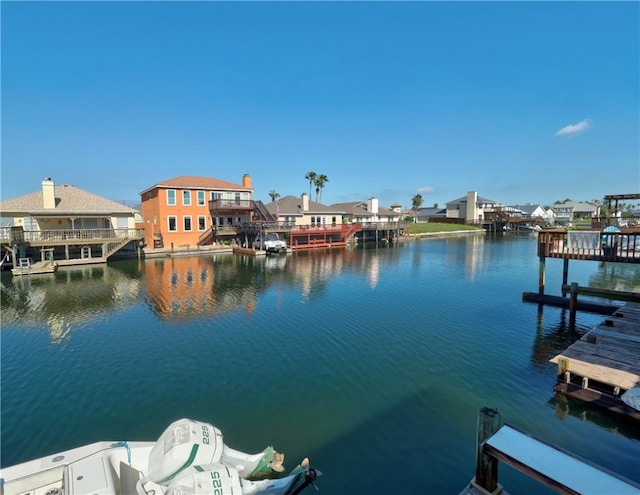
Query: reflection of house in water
{"points": [[196, 286], [373, 272], [76, 296]]}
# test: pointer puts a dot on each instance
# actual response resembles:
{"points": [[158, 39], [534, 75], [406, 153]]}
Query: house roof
{"points": [[480, 199], [431, 212], [292, 205], [69, 200], [529, 208], [576, 207], [194, 182], [360, 209]]}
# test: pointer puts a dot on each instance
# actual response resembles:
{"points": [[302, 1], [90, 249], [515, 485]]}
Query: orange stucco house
{"points": [[190, 211]]}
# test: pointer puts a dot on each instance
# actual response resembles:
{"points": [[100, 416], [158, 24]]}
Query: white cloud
{"points": [[425, 190], [574, 129]]}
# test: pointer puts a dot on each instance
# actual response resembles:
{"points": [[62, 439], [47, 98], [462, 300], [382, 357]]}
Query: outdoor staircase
{"points": [[113, 246], [207, 237], [158, 243], [262, 213], [353, 228]]}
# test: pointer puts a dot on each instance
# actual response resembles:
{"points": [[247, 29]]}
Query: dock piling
{"points": [[486, 466]]}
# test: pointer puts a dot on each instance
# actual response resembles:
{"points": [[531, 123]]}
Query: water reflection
{"points": [[71, 297], [617, 276], [551, 340], [565, 407]]}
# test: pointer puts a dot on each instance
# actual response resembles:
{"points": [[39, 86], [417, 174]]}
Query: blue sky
{"points": [[522, 102]]}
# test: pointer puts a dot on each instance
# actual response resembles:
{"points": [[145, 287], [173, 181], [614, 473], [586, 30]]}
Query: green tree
{"points": [[416, 203], [320, 181], [311, 177], [274, 195]]}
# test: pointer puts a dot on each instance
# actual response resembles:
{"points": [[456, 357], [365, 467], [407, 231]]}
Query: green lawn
{"points": [[422, 228]]}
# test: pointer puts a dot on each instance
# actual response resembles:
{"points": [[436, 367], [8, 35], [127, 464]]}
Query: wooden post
{"points": [[573, 302], [541, 271], [486, 466], [565, 274]]}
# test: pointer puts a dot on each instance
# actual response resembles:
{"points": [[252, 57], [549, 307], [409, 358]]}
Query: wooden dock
{"points": [[604, 363], [550, 465]]}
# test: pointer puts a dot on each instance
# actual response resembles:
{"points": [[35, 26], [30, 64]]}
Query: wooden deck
{"points": [[594, 245], [605, 362], [323, 236], [548, 464]]}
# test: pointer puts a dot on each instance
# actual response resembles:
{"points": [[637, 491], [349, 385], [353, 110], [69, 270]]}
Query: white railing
{"points": [[67, 235]]}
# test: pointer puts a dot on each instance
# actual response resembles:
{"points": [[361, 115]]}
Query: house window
{"points": [[202, 222], [171, 197], [172, 222], [186, 198], [200, 198], [237, 198], [186, 222], [216, 195]]}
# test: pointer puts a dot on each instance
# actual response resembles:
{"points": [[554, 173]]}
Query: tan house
{"points": [[472, 208], [65, 207], [293, 211], [72, 225], [369, 212]]}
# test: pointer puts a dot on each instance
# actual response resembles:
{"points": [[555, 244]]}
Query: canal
{"points": [[372, 362]]}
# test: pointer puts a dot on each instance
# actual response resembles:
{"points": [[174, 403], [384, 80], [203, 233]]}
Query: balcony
{"points": [[231, 205], [621, 247], [59, 237]]}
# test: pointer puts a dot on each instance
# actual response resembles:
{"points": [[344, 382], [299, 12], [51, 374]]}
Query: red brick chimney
{"points": [[246, 181]]}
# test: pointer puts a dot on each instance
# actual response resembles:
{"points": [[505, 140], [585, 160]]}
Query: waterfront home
{"points": [[429, 214], [191, 211], [531, 211], [472, 208], [65, 207], [367, 212], [534, 212], [71, 225], [572, 210], [301, 211]]}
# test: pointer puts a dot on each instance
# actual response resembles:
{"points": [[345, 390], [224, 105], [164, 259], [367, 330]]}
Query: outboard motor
{"points": [[184, 443], [214, 479]]}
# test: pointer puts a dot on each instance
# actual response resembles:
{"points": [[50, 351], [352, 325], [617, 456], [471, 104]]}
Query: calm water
{"points": [[372, 362]]}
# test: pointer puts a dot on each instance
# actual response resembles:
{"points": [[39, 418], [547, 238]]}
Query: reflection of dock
{"points": [[604, 363]]}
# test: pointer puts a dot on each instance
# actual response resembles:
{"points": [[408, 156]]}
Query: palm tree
{"points": [[274, 195], [320, 182], [416, 203], [311, 177]]}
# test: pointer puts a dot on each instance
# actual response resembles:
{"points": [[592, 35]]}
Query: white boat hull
{"points": [[124, 468]]}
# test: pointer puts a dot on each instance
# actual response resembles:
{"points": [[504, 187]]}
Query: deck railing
{"points": [[623, 246], [68, 236]]}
